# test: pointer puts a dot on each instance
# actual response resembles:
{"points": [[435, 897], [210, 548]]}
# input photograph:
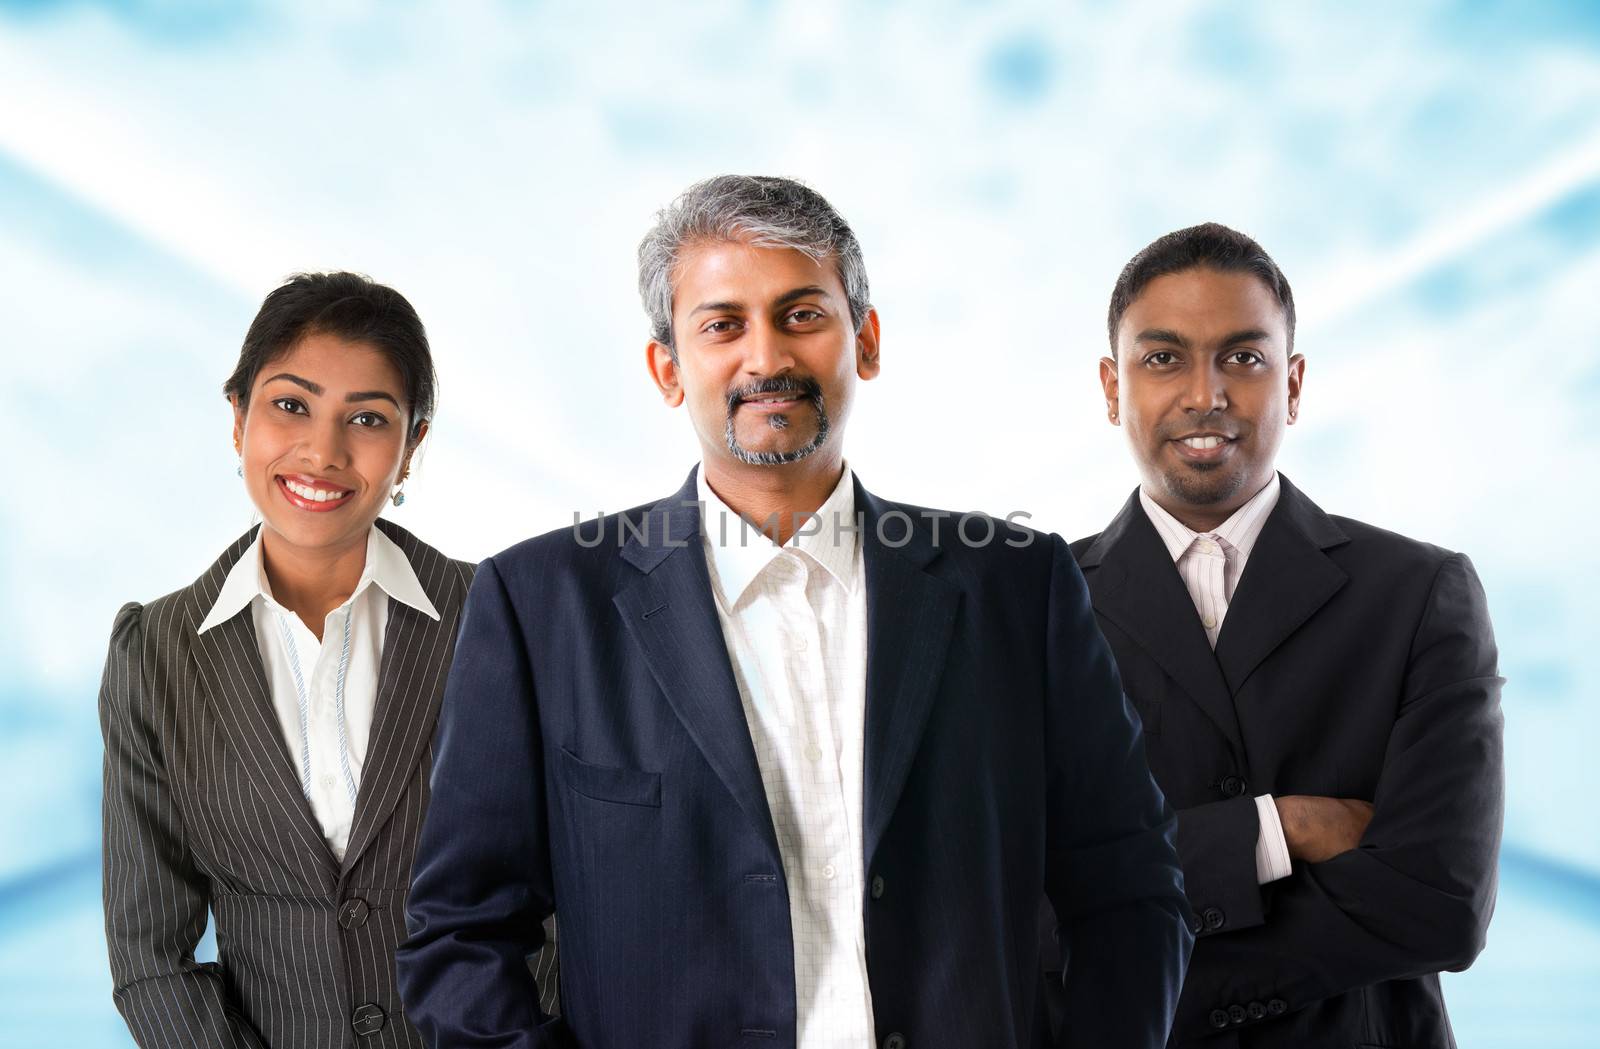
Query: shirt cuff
{"points": [[1272, 849]]}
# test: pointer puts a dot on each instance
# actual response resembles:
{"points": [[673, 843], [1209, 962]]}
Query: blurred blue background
{"points": [[1427, 174]]}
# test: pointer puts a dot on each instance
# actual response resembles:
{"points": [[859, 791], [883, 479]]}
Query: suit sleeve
{"points": [[1111, 873], [1415, 896], [1217, 847], [481, 884], [155, 897]]}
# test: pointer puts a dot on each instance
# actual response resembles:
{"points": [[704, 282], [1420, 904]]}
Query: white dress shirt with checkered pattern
{"points": [[795, 622]]}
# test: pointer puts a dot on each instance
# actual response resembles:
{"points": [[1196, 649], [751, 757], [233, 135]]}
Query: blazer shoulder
{"points": [[575, 546], [975, 544], [1377, 549], [1079, 547]]}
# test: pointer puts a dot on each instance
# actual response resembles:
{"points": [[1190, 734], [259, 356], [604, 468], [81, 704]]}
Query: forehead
{"points": [[1203, 304], [737, 271], [337, 364]]}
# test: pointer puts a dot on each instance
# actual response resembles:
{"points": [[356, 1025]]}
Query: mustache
{"points": [[1214, 423], [803, 385]]}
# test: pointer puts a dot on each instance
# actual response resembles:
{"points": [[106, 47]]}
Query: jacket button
{"points": [[353, 913], [1232, 786], [1214, 918], [1277, 1007], [1219, 1019], [1197, 924], [1256, 1010], [877, 894], [1236, 1014], [368, 1018], [895, 1041]]}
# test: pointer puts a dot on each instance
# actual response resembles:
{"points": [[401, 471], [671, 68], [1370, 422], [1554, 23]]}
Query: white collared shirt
{"points": [[795, 622], [1210, 564], [327, 751]]}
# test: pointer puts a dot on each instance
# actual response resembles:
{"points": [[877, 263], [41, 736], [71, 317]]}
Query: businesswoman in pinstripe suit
{"points": [[268, 727]]}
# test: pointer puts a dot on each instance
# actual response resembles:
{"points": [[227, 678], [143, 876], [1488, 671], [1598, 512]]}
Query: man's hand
{"points": [[1318, 829]]}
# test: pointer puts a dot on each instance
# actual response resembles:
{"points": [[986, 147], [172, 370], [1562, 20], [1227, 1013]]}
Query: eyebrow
{"points": [[1161, 335], [809, 291], [372, 395], [1248, 335], [291, 377], [349, 398]]}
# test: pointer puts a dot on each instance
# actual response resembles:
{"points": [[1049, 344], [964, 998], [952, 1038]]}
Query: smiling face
{"points": [[1204, 384], [766, 356], [323, 442]]}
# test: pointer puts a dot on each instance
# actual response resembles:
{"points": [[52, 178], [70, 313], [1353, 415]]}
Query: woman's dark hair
{"points": [[1210, 245], [348, 306]]}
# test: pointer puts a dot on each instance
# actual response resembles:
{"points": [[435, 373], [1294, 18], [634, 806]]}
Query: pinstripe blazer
{"points": [[203, 808]]}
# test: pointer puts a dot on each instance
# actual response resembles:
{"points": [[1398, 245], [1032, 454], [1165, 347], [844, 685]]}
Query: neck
{"points": [[775, 498], [311, 582], [1206, 517]]}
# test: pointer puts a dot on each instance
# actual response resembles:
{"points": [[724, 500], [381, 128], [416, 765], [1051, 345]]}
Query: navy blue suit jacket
{"points": [[594, 760]]}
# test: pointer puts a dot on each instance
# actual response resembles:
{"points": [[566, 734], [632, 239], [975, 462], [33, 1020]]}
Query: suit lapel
{"points": [[1287, 578], [670, 613], [1135, 585], [910, 617], [410, 687], [229, 661]]}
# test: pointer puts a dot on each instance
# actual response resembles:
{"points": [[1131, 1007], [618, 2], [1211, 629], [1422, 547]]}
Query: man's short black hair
{"points": [[1210, 245], [352, 307]]}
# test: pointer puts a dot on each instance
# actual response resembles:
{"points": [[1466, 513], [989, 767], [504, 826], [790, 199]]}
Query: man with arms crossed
{"points": [[796, 783], [1319, 697]]}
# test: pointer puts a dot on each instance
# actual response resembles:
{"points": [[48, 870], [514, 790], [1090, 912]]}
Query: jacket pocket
{"points": [[604, 783]]}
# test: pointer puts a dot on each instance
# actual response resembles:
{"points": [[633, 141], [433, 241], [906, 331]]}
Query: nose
{"points": [[1206, 390], [766, 353], [326, 446]]}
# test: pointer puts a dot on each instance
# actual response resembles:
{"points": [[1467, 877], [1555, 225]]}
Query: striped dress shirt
{"points": [[327, 740], [1210, 564], [795, 622]]}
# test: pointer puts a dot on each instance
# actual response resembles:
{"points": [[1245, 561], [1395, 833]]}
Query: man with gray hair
{"points": [[793, 762]]}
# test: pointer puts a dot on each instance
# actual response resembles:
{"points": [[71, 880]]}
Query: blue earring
{"points": [[239, 469], [398, 497]]}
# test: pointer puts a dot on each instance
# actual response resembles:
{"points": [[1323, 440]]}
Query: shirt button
{"points": [[1209, 622], [327, 782], [813, 752], [828, 871], [801, 644]]}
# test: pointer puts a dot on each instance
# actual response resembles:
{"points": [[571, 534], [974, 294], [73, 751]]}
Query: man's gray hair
{"points": [[761, 210]]}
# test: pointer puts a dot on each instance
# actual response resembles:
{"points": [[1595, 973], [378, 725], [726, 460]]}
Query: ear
{"points": [[238, 424], [867, 366], [1108, 383], [1297, 375], [411, 448], [664, 372]]}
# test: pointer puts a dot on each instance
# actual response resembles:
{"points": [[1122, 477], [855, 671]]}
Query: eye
{"points": [[369, 419], [804, 315], [1245, 357], [292, 405], [1162, 358], [720, 327]]}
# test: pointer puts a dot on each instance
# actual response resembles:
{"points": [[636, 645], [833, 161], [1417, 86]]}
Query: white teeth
{"points": [[1204, 442], [316, 495]]}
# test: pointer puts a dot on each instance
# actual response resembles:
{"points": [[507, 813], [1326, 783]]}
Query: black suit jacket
{"points": [[1353, 663], [594, 760], [203, 808]]}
